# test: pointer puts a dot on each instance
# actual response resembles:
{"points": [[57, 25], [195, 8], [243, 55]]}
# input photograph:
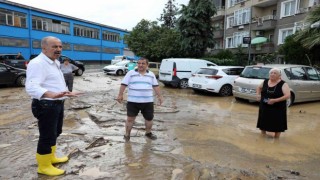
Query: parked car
{"points": [[79, 64], [11, 75], [154, 67], [117, 59], [303, 81], [216, 79], [116, 69], [14, 60], [177, 71]]}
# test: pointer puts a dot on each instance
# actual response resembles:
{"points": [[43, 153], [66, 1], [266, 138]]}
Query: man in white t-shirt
{"points": [[141, 83]]}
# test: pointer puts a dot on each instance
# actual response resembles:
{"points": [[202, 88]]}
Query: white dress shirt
{"points": [[44, 75]]}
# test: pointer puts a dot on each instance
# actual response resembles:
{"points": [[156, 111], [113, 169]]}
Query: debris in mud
{"points": [[80, 106], [5, 145], [98, 142], [74, 153], [192, 124]]}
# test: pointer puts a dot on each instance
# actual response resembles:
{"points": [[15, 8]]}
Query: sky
{"points": [[123, 14]]}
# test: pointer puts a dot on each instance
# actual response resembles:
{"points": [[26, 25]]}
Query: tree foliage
{"points": [[149, 40], [294, 52], [310, 37], [195, 27], [168, 17]]}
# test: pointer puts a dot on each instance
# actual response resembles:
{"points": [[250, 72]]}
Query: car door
{"points": [[300, 84], [314, 79], [6, 77]]}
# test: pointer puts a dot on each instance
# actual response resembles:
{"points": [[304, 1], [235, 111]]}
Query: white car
{"points": [[216, 79], [116, 69]]}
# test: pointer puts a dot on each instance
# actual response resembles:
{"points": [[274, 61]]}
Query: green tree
{"points": [[293, 51], [195, 27], [168, 17], [154, 42], [310, 37]]}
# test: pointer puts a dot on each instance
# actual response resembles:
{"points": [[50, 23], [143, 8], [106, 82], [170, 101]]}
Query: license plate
{"points": [[247, 90], [196, 86]]}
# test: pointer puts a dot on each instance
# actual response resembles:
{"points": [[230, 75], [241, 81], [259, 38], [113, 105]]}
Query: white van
{"points": [[177, 71]]}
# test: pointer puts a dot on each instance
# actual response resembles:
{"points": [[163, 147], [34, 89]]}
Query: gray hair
{"points": [[44, 41], [275, 70]]}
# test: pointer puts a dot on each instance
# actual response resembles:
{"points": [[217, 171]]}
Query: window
{"points": [[230, 21], [218, 44], [14, 42], [298, 26], [111, 50], [238, 38], [312, 74], [297, 73], [283, 33], [111, 36], [52, 25], [233, 71], [84, 31], [242, 16], [13, 18], [79, 47], [288, 8], [229, 42]]}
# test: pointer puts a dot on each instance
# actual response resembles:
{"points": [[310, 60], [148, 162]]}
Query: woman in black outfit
{"points": [[272, 94]]}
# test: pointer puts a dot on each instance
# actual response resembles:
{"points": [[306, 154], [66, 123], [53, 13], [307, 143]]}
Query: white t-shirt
{"points": [[140, 87]]}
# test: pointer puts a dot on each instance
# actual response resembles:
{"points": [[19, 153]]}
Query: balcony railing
{"points": [[264, 22]]}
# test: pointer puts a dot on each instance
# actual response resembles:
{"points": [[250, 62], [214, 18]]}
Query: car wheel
{"points": [[196, 90], [79, 72], [290, 100], [183, 84], [21, 81], [225, 90], [119, 72], [238, 99]]}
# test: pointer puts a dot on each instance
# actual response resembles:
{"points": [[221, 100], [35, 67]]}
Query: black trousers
{"points": [[50, 120]]}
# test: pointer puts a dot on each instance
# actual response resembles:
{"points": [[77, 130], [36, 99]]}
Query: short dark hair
{"points": [[143, 58]]}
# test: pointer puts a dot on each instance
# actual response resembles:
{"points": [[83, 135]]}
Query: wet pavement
{"points": [[200, 136]]}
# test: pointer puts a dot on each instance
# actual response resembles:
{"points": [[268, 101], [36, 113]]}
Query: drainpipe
{"points": [[29, 31], [250, 22]]}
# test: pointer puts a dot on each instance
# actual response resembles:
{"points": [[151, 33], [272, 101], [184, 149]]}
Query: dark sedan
{"points": [[11, 75]]}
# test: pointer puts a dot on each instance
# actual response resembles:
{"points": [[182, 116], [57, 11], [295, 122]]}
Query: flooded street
{"points": [[200, 136]]}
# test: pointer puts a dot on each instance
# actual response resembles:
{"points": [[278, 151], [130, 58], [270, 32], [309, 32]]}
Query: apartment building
{"points": [[266, 22]]}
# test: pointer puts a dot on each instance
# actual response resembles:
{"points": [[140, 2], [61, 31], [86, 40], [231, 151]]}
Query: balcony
{"points": [[220, 13], [218, 33], [264, 3], [264, 23], [265, 48]]}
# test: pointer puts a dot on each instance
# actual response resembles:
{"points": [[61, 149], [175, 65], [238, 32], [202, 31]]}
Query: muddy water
{"points": [[200, 136]]}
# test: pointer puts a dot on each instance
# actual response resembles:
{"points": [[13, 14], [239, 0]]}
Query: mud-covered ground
{"points": [[200, 136]]}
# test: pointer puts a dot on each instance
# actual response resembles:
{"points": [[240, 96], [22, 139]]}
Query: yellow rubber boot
{"points": [[45, 166], [55, 159]]}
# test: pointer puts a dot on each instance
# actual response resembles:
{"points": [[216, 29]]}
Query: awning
{"points": [[258, 40]]}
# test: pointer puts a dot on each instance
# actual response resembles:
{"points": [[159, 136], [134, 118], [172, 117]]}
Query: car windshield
{"points": [[255, 72], [207, 71], [121, 63]]}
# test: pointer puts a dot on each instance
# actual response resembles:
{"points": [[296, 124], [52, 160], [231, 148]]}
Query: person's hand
{"points": [[73, 94], [258, 97], [160, 100], [120, 98], [271, 101]]}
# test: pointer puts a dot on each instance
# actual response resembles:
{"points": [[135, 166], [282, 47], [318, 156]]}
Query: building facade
{"points": [[22, 28], [266, 22]]}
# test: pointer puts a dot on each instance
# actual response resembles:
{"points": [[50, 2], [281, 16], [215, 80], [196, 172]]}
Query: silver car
{"points": [[304, 81]]}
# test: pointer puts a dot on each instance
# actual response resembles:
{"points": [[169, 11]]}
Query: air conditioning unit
{"points": [[240, 27], [259, 33]]}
